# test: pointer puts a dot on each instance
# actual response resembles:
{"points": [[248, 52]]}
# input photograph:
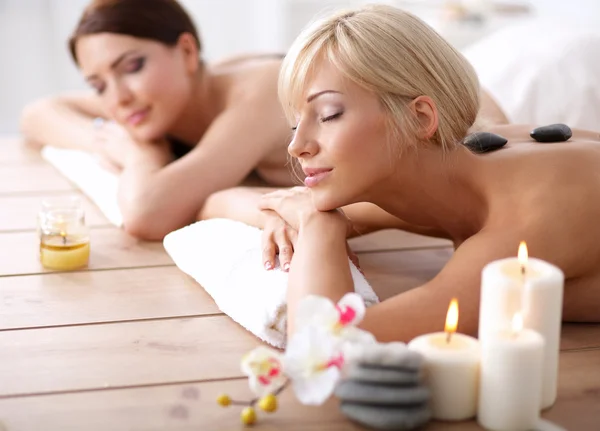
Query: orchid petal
{"points": [[264, 368], [351, 309], [317, 389], [316, 310]]}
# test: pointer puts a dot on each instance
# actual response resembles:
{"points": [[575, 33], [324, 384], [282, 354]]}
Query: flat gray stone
{"points": [[358, 392], [387, 418], [392, 355], [384, 375]]}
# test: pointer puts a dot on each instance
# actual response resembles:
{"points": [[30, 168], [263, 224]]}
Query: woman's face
{"points": [[341, 139], [143, 85]]}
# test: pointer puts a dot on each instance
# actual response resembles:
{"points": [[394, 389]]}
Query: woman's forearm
{"points": [[238, 203], [145, 195], [56, 123], [320, 264]]}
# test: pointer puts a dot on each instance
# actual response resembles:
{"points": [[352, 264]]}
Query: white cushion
{"points": [[542, 72]]}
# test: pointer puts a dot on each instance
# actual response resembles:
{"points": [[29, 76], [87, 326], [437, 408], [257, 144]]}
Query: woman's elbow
{"points": [[142, 229], [145, 226], [30, 115]]}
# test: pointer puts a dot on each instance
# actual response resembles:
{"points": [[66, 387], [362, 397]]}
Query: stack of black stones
{"points": [[484, 142], [384, 389]]}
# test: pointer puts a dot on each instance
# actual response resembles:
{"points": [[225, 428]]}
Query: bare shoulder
{"points": [[249, 78]]}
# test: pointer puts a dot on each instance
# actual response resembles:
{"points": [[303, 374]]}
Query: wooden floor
{"points": [[133, 344]]}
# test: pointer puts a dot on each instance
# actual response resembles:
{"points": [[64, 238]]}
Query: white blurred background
{"points": [[34, 61]]}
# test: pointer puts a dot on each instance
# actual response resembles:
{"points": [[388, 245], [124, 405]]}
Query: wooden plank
{"points": [[100, 296], [191, 406], [174, 407], [31, 178], [20, 212], [14, 151], [577, 336], [38, 361], [394, 272], [391, 239], [110, 248], [579, 391]]}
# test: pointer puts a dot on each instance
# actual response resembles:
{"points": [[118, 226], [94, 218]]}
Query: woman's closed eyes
{"points": [[132, 66], [331, 117], [135, 65]]}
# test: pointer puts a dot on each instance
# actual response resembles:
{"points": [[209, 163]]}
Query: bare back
{"points": [[251, 80], [552, 193]]}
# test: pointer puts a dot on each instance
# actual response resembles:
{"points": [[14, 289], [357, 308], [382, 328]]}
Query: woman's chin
{"points": [[325, 201], [146, 133]]}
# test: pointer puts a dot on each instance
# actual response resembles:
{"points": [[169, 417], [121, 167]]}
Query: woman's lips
{"points": [[137, 117], [313, 179]]}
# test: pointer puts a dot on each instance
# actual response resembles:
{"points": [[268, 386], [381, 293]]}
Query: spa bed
{"points": [[132, 343]]}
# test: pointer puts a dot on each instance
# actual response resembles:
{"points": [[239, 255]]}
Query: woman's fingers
{"points": [[270, 201], [285, 249], [269, 248], [278, 239]]}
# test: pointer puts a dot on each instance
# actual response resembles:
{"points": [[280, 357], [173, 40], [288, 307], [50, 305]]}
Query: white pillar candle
{"points": [[538, 294], [511, 375], [451, 368]]}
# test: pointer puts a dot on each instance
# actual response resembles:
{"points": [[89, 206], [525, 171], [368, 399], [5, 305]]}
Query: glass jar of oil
{"points": [[64, 237]]}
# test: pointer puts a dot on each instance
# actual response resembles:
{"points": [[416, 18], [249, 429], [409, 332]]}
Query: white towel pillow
{"points": [[541, 71]]}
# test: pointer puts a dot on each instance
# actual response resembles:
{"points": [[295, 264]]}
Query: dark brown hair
{"points": [[160, 20]]}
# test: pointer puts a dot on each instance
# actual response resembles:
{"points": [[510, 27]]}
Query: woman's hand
{"points": [[285, 211], [115, 148], [111, 144], [278, 238], [295, 206]]}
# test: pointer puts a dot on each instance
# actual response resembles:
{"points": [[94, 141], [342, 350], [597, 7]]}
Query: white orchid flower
{"points": [[312, 361], [264, 369], [339, 319]]}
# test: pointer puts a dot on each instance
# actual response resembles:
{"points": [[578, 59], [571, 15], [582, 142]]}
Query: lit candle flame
{"points": [[451, 319], [523, 256], [517, 323]]}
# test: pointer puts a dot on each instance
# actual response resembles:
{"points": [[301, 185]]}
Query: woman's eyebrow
{"points": [[114, 64], [312, 97]]}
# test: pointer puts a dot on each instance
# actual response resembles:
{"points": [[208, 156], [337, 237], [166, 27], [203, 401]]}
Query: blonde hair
{"points": [[396, 56]]}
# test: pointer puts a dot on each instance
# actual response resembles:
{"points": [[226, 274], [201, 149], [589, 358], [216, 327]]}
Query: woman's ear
{"points": [[189, 48], [426, 113]]}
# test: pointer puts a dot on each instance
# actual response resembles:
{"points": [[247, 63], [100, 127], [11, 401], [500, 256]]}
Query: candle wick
{"points": [[448, 337], [523, 270]]}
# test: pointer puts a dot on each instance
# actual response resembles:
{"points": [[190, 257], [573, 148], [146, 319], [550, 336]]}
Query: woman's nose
{"points": [[302, 145], [121, 95]]}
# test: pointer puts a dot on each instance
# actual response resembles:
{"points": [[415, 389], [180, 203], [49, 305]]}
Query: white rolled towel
{"points": [[225, 257], [222, 255], [97, 183]]}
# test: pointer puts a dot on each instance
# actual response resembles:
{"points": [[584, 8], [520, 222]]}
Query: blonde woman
{"points": [[379, 104]]}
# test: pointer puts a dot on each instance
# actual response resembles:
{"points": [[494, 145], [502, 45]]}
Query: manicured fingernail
{"points": [[286, 267], [268, 266]]}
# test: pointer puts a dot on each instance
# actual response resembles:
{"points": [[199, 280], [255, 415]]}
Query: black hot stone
{"points": [[484, 142], [552, 133]]}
